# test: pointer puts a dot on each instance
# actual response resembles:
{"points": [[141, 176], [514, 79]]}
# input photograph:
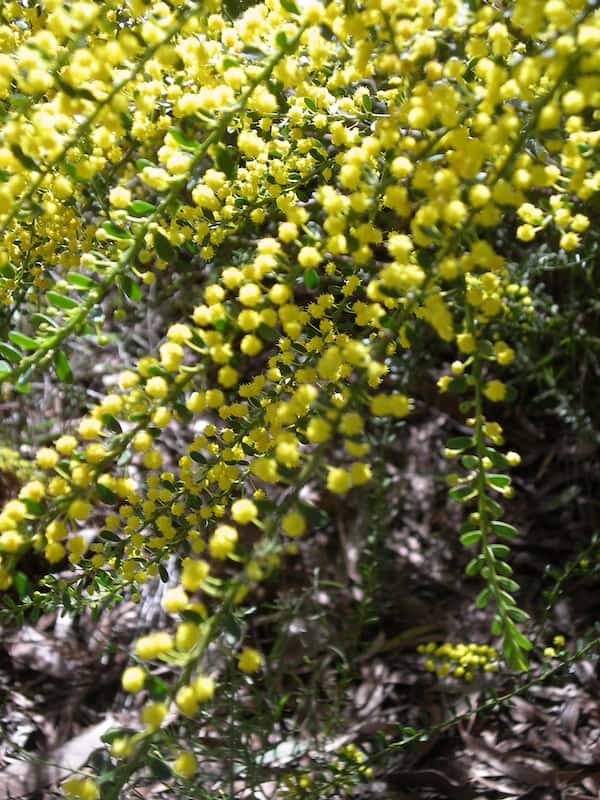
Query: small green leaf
{"points": [[131, 288], [61, 300], [311, 279], [290, 6], [507, 583], [112, 423], [458, 385], [9, 352], [504, 530], [28, 162], [517, 614], [21, 340], [482, 598], [474, 566], [162, 573], [74, 91], [182, 140], [63, 370], [281, 41], [470, 538], [191, 616], [367, 103], [497, 480], [163, 246], [82, 281], [139, 208], [459, 442], [109, 536], [310, 104], [142, 163], [226, 159], [22, 584], [106, 495], [156, 687], [462, 493], [500, 550], [159, 768], [115, 231]]}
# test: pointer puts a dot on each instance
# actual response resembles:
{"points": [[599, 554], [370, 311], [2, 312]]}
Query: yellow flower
{"points": [[495, 391], [249, 660], [133, 679], [293, 524], [244, 511]]}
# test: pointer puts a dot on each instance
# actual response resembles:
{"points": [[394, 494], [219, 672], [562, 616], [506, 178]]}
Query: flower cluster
{"points": [[461, 660]]}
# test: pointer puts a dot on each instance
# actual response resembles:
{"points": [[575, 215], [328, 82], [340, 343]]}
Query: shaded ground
{"points": [[346, 617]]}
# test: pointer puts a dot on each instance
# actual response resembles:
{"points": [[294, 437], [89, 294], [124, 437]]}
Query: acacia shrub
{"points": [[329, 184]]}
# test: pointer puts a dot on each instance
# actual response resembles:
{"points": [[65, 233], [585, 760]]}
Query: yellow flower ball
{"points": [[133, 679], [249, 660], [244, 511], [185, 765]]}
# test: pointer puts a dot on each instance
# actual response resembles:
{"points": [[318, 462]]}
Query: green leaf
{"points": [[115, 231], [462, 493], [507, 583], [162, 573], [311, 279], [82, 281], [23, 341], [310, 104], [142, 163], [28, 162], [112, 423], [22, 584], [226, 159], [4, 368], [469, 462], [474, 566], [367, 103], [156, 687], [131, 288], [63, 370], [7, 270], [163, 246], [109, 536], [74, 91], [504, 530], [281, 41], [470, 538], [517, 614], [267, 333], [191, 616], [139, 208], [492, 506], [497, 459], [106, 495], [182, 140], [61, 300], [497, 480], [458, 385], [290, 6], [9, 352], [482, 598], [459, 442], [159, 768], [500, 550], [38, 319]]}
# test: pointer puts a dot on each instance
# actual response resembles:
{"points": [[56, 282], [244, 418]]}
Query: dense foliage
{"points": [[311, 199]]}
